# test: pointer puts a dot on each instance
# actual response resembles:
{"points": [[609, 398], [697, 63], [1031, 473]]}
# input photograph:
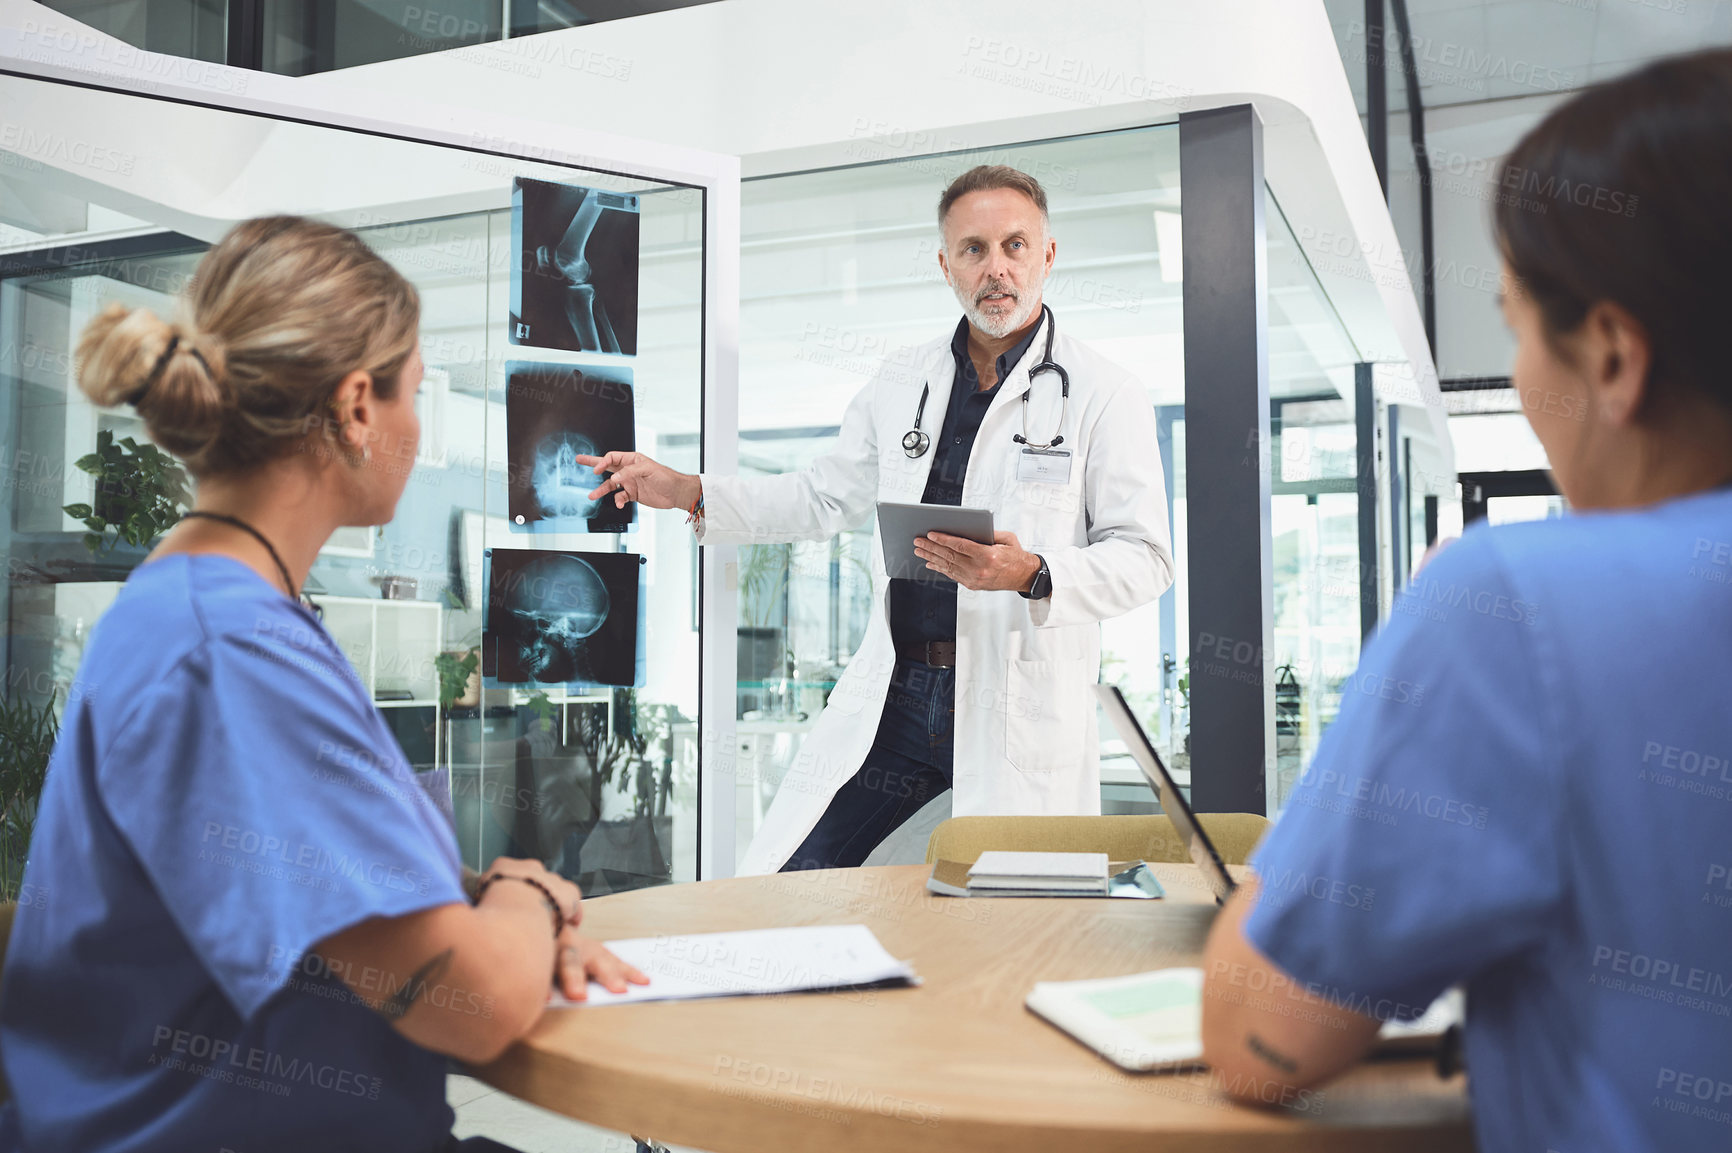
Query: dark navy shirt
{"points": [[926, 611]]}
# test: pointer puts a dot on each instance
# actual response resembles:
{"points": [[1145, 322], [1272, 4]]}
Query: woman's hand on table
{"points": [[582, 960], [577, 960]]}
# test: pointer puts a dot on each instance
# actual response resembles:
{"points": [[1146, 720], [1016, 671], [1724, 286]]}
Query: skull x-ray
{"points": [[553, 415], [563, 618], [573, 268]]}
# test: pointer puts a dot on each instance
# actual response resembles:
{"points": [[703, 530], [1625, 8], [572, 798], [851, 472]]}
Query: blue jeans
{"points": [[910, 762]]}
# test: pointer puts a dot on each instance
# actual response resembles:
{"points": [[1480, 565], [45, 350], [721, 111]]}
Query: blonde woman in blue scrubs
{"points": [[255, 934]]}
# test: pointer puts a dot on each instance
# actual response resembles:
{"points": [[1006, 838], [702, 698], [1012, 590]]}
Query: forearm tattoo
{"points": [[1270, 1056], [405, 997]]}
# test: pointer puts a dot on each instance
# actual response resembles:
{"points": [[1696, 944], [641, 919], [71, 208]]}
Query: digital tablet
{"points": [[899, 524]]}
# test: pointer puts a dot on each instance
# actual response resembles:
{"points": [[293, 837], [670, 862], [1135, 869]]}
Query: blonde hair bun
{"points": [[174, 378], [278, 313]]}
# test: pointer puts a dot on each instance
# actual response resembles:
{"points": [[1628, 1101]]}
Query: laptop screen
{"points": [[1173, 803]]}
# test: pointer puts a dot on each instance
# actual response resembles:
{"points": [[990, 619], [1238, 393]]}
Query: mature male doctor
{"points": [[979, 682]]}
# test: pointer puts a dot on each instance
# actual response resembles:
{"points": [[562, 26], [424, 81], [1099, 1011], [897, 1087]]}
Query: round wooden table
{"points": [[955, 1064]]}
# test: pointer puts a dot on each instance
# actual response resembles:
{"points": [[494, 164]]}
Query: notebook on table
{"points": [[1132, 879], [1069, 874], [1144, 1022], [1153, 1022]]}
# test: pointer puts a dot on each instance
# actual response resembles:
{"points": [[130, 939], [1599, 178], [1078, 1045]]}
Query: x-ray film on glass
{"points": [[573, 268], [555, 413], [563, 618]]}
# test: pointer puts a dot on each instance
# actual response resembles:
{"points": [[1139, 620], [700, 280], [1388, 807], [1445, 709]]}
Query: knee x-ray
{"points": [[574, 268], [554, 414], [563, 618]]}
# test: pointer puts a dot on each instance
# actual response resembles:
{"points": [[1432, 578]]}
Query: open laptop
{"points": [[1173, 802], [1439, 1028]]}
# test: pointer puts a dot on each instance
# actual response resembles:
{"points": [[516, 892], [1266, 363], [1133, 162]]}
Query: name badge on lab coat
{"points": [[1043, 466]]}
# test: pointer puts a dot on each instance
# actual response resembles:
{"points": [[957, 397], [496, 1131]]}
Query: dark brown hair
{"points": [[278, 313], [984, 178], [1622, 195]]}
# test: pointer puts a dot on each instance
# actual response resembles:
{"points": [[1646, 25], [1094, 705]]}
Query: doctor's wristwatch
{"points": [[1041, 587]]}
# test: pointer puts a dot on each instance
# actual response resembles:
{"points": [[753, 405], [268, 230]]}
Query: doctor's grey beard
{"points": [[1000, 325]]}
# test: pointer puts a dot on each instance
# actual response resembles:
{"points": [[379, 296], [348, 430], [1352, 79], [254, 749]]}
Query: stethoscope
{"points": [[915, 442]]}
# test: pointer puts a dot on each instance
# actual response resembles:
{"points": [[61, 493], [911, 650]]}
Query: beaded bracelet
{"points": [[546, 895]]}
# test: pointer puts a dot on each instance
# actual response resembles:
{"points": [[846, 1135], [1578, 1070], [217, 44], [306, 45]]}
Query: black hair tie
{"points": [[162, 364], [156, 372]]}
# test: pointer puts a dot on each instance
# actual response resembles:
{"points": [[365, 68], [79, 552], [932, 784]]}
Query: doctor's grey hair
{"points": [[987, 177]]}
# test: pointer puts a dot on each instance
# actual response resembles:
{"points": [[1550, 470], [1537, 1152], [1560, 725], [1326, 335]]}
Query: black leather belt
{"points": [[938, 654]]}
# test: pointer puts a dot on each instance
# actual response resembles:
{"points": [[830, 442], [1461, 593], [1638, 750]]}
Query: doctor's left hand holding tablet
{"points": [[1002, 566]]}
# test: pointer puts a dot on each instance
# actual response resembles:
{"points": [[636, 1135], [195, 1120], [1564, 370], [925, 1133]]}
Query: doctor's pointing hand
{"points": [[976, 681]]}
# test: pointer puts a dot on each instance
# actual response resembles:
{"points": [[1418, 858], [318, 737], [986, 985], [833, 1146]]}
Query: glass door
{"points": [[594, 769]]}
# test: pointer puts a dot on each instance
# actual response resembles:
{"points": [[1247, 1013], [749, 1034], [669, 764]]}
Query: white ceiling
{"points": [[1473, 50]]}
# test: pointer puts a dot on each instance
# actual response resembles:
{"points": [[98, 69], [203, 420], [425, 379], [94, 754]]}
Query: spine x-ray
{"points": [[573, 268], [563, 618], [555, 413]]}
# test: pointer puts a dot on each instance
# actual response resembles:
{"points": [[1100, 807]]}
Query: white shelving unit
{"points": [[392, 645]]}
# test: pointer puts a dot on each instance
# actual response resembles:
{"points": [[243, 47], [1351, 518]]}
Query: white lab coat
{"points": [[1025, 736]]}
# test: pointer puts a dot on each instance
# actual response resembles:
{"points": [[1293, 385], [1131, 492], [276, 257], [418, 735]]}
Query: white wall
{"points": [[790, 85], [787, 85], [1466, 144]]}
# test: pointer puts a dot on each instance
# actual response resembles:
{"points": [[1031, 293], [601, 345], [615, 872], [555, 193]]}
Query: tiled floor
{"points": [[483, 1111]]}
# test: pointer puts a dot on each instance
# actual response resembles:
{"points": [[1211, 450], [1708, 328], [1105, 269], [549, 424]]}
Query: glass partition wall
{"points": [[839, 271], [597, 780], [1314, 504], [1324, 480]]}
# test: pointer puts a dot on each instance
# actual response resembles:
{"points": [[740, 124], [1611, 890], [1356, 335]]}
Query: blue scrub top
{"points": [[223, 796], [1529, 791]]}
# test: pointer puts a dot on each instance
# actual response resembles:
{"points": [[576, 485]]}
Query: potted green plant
{"points": [[577, 752], [459, 673], [762, 580], [459, 682], [632, 849], [27, 735], [140, 493], [1184, 716], [763, 577]]}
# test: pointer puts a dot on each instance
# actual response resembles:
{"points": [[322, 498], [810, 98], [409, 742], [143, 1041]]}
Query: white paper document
{"points": [[754, 961]]}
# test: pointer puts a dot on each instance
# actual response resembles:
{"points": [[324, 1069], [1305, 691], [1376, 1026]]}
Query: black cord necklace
{"points": [[237, 522]]}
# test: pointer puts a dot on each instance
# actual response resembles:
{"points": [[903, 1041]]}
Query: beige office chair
{"points": [[1146, 838]]}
